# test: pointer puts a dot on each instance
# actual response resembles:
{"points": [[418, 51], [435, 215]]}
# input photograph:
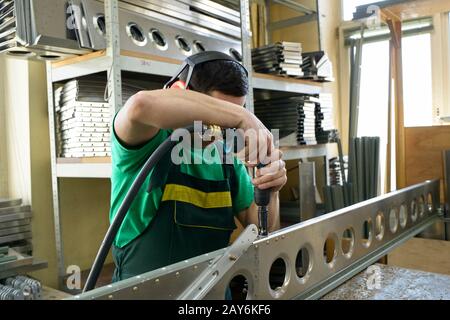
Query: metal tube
{"points": [[162, 150]]}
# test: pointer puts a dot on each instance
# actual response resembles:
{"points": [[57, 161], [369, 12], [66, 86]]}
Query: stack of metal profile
{"points": [[317, 66], [363, 175], [281, 58], [36, 29], [324, 118], [294, 117], [15, 225], [83, 116], [308, 122], [336, 177], [82, 119], [20, 288]]}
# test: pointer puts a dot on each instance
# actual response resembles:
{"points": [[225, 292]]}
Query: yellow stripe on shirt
{"points": [[211, 200]]}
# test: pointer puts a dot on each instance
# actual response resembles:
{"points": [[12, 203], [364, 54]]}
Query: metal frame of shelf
{"points": [[309, 15], [113, 61]]}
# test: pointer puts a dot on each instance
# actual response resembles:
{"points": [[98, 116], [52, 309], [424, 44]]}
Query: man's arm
{"points": [[147, 112]]}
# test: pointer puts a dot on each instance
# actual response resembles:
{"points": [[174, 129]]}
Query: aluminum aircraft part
{"points": [[37, 29], [175, 23], [150, 32], [221, 265], [55, 29], [215, 10], [189, 17], [305, 261], [49, 27], [76, 9]]}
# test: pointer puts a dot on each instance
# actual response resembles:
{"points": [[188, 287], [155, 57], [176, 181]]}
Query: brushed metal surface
{"points": [[147, 21], [310, 236]]}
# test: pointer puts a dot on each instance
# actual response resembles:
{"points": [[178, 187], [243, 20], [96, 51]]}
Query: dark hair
{"points": [[227, 77]]}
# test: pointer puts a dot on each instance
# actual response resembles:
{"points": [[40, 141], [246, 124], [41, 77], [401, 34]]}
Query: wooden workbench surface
{"points": [[52, 294]]}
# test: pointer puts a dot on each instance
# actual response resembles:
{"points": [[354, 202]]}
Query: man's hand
{"points": [[274, 175], [260, 149]]}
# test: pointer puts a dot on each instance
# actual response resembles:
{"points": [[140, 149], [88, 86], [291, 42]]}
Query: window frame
{"points": [[440, 53], [440, 65]]}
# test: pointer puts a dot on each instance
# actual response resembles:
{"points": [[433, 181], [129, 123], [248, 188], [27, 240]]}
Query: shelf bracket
{"points": [[295, 6], [292, 22]]}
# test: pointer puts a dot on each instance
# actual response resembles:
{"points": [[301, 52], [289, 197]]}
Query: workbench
{"points": [[395, 284]]}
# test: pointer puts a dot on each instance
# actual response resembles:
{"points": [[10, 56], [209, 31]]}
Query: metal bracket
{"points": [[220, 266]]}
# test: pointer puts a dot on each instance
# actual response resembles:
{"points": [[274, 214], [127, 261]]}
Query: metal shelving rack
{"points": [[114, 61]]}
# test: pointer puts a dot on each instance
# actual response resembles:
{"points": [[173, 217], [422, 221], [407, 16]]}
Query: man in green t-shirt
{"points": [[190, 210]]}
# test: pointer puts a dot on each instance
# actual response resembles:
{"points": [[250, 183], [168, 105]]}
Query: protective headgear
{"points": [[183, 77]]}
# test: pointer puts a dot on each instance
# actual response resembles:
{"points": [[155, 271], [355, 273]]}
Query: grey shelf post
{"points": [[246, 37], [113, 52], [54, 177], [115, 100]]}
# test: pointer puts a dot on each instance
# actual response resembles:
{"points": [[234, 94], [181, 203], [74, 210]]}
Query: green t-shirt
{"points": [[126, 164]]}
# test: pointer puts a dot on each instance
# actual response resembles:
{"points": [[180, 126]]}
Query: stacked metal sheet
{"points": [[324, 118], [308, 122], [82, 119], [317, 66], [15, 224], [83, 116], [294, 117], [281, 58]]}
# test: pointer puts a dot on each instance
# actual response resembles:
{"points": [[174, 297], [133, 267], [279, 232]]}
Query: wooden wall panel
{"points": [[423, 155], [422, 254]]}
